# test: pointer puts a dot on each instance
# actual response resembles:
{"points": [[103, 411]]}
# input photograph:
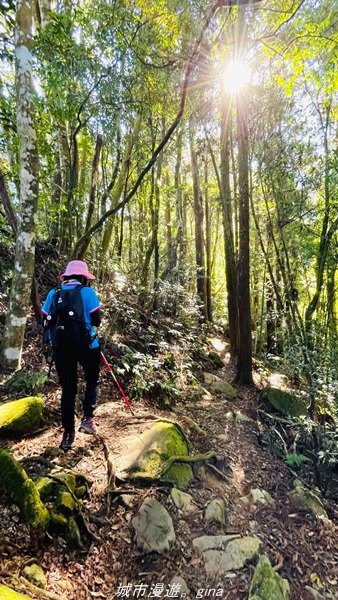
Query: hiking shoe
{"points": [[67, 440], [87, 425]]}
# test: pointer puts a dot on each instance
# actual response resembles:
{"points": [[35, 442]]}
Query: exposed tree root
{"points": [[185, 459], [111, 485], [35, 589]]}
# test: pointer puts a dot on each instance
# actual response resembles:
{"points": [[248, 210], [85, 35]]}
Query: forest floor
{"points": [[302, 548]]}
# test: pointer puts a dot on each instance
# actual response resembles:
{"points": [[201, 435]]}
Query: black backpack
{"points": [[65, 326]]}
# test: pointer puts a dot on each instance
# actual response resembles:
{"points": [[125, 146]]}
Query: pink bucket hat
{"points": [[77, 267]]}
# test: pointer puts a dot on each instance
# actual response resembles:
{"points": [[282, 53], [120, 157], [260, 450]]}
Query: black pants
{"points": [[66, 366]]}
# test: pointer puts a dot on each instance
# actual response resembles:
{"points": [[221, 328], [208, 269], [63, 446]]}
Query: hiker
{"points": [[70, 314]]}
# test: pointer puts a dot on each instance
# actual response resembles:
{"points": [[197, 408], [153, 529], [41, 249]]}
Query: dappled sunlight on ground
{"points": [[278, 380]]}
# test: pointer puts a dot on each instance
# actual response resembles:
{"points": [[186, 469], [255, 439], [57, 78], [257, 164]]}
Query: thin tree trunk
{"points": [[228, 228], [82, 244], [118, 187], [244, 364], [207, 241], [19, 300], [198, 213], [178, 249], [94, 180]]}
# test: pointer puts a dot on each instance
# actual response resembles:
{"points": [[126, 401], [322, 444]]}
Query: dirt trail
{"points": [[302, 548]]}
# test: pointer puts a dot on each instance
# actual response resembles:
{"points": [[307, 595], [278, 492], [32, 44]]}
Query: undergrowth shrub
{"points": [[26, 382]]}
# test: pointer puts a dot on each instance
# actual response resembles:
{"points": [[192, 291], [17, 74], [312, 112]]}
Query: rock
{"points": [[53, 452], [218, 385], [58, 521], [45, 486], [226, 553], [35, 575], [237, 416], [183, 501], [80, 491], [127, 500], [20, 416], [73, 533], [242, 417], [304, 499], [215, 358], [284, 402], [66, 479], [197, 392], [181, 586], [65, 502], [154, 527], [22, 490], [7, 593], [215, 512], [267, 584], [257, 496], [149, 452], [213, 542]]}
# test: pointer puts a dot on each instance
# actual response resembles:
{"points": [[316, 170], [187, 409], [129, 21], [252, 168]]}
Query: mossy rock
{"points": [[58, 521], [34, 573], [303, 498], [45, 486], [81, 491], [215, 359], [20, 416], [7, 593], [73, 534], [22, 490], [284, 402], [267, 584], [66, 479], [150, 451], [65, 502]]}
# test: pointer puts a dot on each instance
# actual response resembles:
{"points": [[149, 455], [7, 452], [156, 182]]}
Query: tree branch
{"points": [[82, 242]]}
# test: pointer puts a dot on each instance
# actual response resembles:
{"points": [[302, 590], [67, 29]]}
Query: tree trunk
{"points": [[179, 241], [13, 337], [244, 363], [94, 180], [207, 241], [198, 213], [228, 228], [119, 186]]}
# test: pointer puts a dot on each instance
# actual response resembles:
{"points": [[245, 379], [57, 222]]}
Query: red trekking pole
{"points": [[124, 397]]}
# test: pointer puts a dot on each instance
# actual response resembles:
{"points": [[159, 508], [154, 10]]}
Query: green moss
{"points": [[7, 593], [58, 521], [180, 475], [35, 575], [267, 584], [65, 502], [73, 534], [306, 499], [22, 490], [215, 359], [80, 491], [44, 486], [284, 402], [68, 479], [161, 442], [20, 416]]}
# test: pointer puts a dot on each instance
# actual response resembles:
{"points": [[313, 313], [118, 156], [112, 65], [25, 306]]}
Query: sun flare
{"points": [[236, 76]]}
